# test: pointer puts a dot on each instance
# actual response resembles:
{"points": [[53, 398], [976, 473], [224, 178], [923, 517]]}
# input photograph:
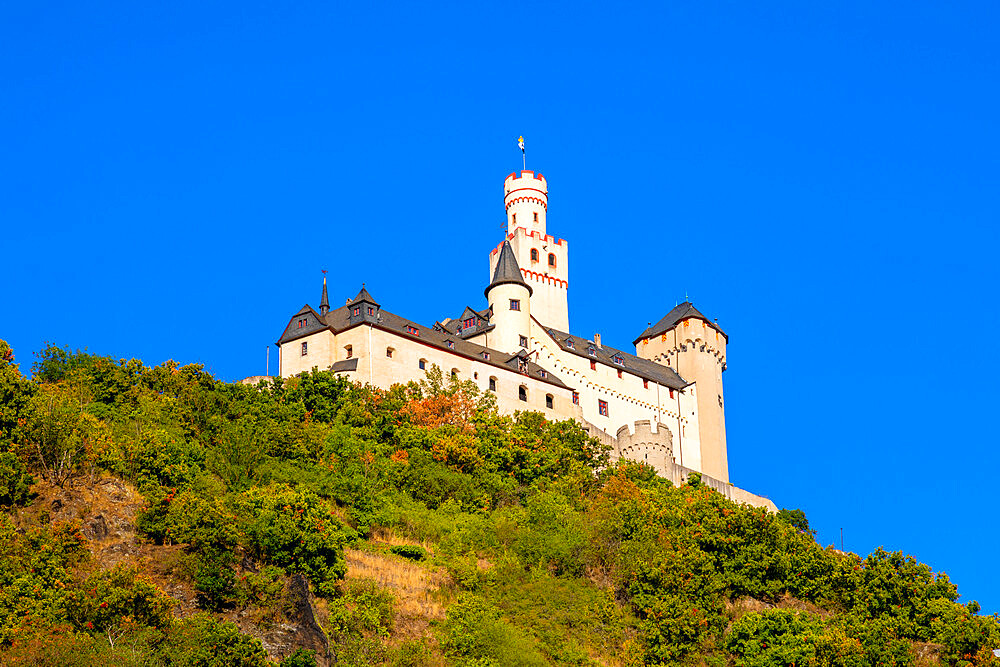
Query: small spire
{"points": [[324, 301], [507, 270]]}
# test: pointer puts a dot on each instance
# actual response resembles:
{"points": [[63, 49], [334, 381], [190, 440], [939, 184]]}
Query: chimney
{"points": [[597, 340]]}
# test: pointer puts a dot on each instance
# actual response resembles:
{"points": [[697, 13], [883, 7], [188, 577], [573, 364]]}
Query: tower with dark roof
{"points": [[695, 347], [509, 297], [542, 259]]}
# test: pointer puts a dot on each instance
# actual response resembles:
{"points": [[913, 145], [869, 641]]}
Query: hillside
{"points": [[157, 516]]}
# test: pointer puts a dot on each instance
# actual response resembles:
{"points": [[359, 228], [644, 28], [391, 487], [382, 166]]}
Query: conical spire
{"points": [[363, 295], [507, 270], [324, 301]]}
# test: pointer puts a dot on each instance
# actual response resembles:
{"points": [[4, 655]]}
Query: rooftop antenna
{"points": [[520, 144], [686, 297]]}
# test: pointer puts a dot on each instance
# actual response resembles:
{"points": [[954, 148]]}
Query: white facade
{"points": [[662, 405]]}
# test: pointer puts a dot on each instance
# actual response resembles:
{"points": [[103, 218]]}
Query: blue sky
{"points": [[823, 178]]}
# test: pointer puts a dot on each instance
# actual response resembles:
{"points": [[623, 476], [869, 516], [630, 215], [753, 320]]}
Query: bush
{"points": [[475, 633], [15, 482], [409, 551], [297, 531], [203, 641]]}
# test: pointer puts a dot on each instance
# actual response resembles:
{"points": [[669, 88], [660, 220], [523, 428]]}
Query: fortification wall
{"points": [[646, 444]]}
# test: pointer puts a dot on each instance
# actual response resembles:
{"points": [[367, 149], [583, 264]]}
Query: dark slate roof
{"points": [[345, 365], [455, 325], [363, 295], [313, 322], [671, 319], [340, 320], [644, 368], [507, 270]]}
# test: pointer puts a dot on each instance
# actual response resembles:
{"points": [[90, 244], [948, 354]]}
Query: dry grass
{"points": [[388, 536], [738, 608], [419, 591]]}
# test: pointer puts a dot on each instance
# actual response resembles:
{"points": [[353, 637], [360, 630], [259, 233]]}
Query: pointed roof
{"points": [[507, 271], [324, 301], [677, 314], [363, 295]]}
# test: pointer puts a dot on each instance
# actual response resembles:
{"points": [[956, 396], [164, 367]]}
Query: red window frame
{"points": [[602, 408]]}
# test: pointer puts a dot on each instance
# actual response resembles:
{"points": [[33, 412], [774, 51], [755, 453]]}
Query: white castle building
{"points": [[662, 405]]}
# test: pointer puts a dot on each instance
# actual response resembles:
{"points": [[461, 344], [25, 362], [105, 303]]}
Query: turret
{"points": [[695, 347], [526, 199], [509, 297]]}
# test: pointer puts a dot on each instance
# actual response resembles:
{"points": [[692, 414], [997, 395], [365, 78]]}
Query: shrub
{"points": [[297, 531], [203, 641], [475, 633], [15, 482], [409, 551]]}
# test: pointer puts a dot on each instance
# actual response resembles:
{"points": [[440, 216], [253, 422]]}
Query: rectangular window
{"points": [[576, 398], [548, 401], [543, 373], [515, 304], [423, 364], [469, 323], [593, 365], [536, 217], [412, 330], [357, 311], [619, 374], [523, 341], [645, 384], [451, 345], [388, 352], [305, 349], [671, 393], [522, 393], [350, 351], [371, 311], [602, 407], [493, 384], [486, 356]]}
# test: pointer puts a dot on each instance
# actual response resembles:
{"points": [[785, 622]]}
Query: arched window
{"points": [[522, 393], [552, 260], [422, 364], [534, 255], [349, 350]]}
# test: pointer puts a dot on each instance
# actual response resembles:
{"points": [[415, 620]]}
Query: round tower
{"points": [[510, 304], [526, 198]]}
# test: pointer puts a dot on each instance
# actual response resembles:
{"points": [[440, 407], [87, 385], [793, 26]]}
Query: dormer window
{"points": [[486, 356], [371, 311], [357, 310], [570, 344], [469, 323], [451, 345], [412, 330], [618, 359], [543, 373], [591, 351]]}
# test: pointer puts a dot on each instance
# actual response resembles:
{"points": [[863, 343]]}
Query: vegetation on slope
{"points": [[430, 529]]}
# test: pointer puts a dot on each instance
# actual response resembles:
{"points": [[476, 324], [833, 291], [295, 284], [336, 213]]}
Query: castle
{"points": [[662, 405]]}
